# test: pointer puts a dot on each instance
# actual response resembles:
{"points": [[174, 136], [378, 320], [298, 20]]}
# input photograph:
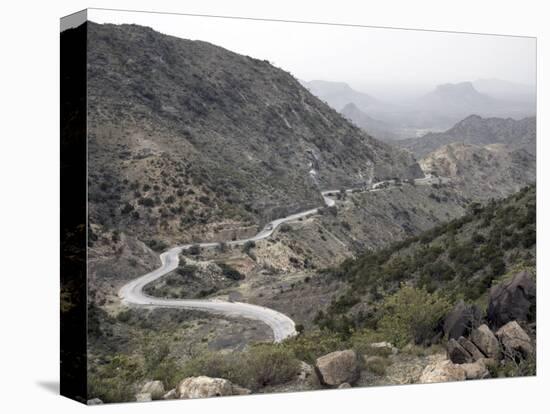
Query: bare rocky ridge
{"points": [[482, 172]]}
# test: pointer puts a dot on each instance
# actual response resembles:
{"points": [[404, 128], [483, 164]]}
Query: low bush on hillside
{"points": [[412, 314], [230, 272], [462, 258], [187, 270], [259, 366]]}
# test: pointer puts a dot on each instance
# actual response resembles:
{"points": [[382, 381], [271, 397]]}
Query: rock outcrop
{"points": [[486, 341], [461, 320], [469, 346], [442, 371], [475, 370], [144, 397], [512, 300], [204, 387], [155, 388], [338, 367], [515, 341], [457, 354]]}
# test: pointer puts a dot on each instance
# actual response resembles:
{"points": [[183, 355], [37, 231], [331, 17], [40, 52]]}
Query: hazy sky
{"points": [[366, 58]]}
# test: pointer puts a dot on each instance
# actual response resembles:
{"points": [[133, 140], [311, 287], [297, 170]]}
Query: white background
{"points": [[29, 208]]}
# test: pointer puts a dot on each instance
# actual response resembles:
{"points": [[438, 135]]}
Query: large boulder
{"points": [[461, 320], [442, 371], [204, 387], [338, 367], [486, 341], [476, 370], [144, 397], [515, 341], [155, 388], [456, 353], [512, 300], [471, 348]]}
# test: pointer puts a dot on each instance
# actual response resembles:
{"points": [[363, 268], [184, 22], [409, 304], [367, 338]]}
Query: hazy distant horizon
{"points": [[385, 63]]}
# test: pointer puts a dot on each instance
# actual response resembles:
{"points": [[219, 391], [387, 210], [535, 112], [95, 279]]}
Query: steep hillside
{"points": [[460, 259], [482, 172], [187, 139], [476, 130]]}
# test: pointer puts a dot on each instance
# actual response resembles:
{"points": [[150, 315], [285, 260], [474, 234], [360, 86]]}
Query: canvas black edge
{"points": [[73, 207]]}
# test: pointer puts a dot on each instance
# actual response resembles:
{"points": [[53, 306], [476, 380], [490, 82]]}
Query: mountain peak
{"points": [[456, 89]]}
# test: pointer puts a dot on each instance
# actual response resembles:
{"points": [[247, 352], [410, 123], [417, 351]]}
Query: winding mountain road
{"points": [[283, 327]]}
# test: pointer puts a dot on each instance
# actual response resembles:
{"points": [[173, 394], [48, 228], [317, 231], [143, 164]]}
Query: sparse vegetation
{"points": [[259, 366]]}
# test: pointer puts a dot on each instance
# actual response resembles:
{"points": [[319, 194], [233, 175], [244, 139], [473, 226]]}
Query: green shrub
{"points": [[195, 250], [187, 270], [230, 272], [259, 366], [412, 314], [249, 245], [308, 347]]}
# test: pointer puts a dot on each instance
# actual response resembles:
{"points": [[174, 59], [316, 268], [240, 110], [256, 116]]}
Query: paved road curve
{"points": [[282, 326]]}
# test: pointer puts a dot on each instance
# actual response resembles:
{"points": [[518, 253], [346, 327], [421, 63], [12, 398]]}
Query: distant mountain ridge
{"points": [[452, 97], [374, 127], [339, 94], [476, 130], [439, 109]]}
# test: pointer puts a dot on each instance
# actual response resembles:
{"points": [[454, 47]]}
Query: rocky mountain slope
{"points": [[482, 172], [459, 260], [187, 139], [474, 129]]}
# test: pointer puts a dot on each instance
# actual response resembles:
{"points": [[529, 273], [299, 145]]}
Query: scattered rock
{"points": [[476, 370], [307, 375], [238, 390], [155, 388], [204, 387], [515, 341], [170, 395], [442, 371], [471, 348], [144, 397], [344, 385], [486, 341], [338, 367], [94, 401], [461, 320], [512, 300], [385, 345], [457, 354]]}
